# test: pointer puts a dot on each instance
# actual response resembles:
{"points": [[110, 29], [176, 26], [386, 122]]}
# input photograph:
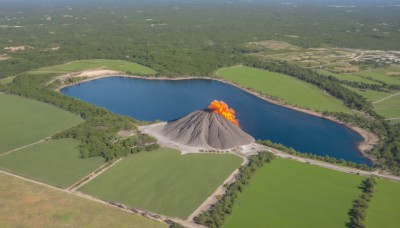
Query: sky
{"points": [[202, 2]]}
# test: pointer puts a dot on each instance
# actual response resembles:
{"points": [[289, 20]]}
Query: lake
{"points": [[168, 100]]}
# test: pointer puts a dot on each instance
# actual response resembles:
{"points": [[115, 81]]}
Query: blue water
{"points": [[168, 100]]}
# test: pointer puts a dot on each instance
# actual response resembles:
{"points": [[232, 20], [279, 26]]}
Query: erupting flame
{"points": [[222, 109]]}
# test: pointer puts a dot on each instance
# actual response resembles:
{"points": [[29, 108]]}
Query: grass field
{"points": [[349, 77], [76, 66], [371, 95], [389, 108], [24, 204], [164, 181], [55, 162], [287, 193], [8, 80], [396, 121], [380, 75], [25, 121], [289, 89], [384, 208]]}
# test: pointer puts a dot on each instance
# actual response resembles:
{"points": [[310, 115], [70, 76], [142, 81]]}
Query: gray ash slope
{"points": [[206, 129]]}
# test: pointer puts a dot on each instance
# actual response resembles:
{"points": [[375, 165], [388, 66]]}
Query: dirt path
{"points": [[395, 118], [147, 214], [92, 175], [219, 191], [26, 146], [385, 98]]}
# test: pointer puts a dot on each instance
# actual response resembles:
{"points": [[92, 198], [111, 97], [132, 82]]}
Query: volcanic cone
{"points": [[206, 129]]}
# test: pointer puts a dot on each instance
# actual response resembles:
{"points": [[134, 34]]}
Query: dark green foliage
{"points": [[194, 40], [215, 216], [387, 151], [360, 205], [97, 134]]}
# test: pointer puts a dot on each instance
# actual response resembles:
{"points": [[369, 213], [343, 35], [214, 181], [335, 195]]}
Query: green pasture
{"points": [[389, 108], [26, 204], [384, 208], [55, 162], [396, 121], [371, 95], [76, 66], [164, 181], [289, 89], [288, 193], [25, 121], [348, 77], [380, 75], [7, 80]]}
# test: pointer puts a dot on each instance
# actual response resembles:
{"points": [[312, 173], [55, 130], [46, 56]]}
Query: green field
{"points": [[289, 89], [164, 181], [26, 204], [25, 121], [75, 66], [384, 208], [288, 193], [380, 75], [371, 95], [348, 77], [389, 108], [396, 121], [55, 162], [8, 80]]}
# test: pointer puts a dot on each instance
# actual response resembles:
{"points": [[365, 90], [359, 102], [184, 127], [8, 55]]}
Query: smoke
{"points": [[223, 109]]}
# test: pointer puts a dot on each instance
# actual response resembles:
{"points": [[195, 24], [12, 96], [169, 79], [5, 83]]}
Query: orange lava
{"points": [[223, 109]]}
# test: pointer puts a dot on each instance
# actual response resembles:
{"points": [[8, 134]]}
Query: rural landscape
{"points": [[204, 113]]}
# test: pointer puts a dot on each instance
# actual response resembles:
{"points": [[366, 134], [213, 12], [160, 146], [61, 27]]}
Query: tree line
{"points": [[387, 151], [333, 87], [98, 133], [360, 205], [216, 214]]}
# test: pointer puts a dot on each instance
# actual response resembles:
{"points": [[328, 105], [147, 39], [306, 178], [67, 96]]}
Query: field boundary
{"points": [[219, 191], [147, 214], [385, 98], [92, 175], [26, 146]]}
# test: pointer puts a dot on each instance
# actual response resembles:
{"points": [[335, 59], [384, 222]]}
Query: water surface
{"points": [[167, 100]]}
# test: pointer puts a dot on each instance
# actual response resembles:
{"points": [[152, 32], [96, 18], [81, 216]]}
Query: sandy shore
{"points": [[367, 144]]}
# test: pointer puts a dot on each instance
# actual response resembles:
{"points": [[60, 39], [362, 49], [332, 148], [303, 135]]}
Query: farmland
{"points": [[26, 204], [289, 89], [306, 194], [55, 162], [371, 95], [163, 181], [18, 129], [389, 108], [384, 207]]}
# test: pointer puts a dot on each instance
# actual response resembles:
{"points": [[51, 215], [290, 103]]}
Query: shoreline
{"points": [[369, 139]]}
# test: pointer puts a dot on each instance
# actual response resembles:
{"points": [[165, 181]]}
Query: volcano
{"points": [[206, 129]]}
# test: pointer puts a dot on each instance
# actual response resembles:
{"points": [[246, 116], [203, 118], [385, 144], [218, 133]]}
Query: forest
{"points": [[180, 38]]}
